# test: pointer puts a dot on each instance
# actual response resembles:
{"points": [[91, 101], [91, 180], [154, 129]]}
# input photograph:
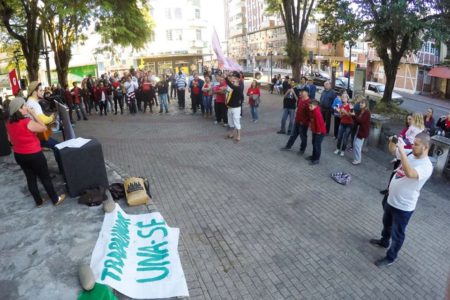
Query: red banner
{"points": [[15, 85]]}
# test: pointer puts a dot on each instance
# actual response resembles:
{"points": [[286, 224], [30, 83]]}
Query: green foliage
{"points": [[395, 28], [339, 23]]}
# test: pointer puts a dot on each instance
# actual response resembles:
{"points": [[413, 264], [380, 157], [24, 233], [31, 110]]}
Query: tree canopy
{"points": [[125, 23], [395, 28]]}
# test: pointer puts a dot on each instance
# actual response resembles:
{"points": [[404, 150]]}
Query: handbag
{"points": [[256, 100]]}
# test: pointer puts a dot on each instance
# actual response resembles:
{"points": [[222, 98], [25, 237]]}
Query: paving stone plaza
{"points": [[256, 222]]}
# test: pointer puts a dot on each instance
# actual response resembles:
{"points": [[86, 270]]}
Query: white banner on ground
{"points": [[138, 256]]}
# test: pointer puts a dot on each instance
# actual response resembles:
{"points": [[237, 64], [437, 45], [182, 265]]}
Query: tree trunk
{"points": [[390, 70], [296, 69], [62, 59]]}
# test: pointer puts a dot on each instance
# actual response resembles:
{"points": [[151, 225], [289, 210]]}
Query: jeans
{"points": [[221, 112], [103, 105], [173, 90], [299, 130], [326, 113], [337, 122], [34, 166], [357, 147], [195, 101], [207, 104], [287, 112], [317, 146], [181, 98], [78, 108], [394, 226], [118, 99], [344, 133], [163, 98], [254, 112]]}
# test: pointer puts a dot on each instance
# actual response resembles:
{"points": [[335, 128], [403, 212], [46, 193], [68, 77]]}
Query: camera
{"points": [[394, 139]]}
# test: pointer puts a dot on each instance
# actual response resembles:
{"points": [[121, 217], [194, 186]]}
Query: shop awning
{"points": [[440, 71]]}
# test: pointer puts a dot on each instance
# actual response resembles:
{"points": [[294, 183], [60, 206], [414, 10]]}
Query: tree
{"points": [[118, 22], [295, 15], [20, 19], [395, 28], [341, 27]]}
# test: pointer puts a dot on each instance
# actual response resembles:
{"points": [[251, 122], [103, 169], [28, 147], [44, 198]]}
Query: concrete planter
{"points": [[376, 125]]}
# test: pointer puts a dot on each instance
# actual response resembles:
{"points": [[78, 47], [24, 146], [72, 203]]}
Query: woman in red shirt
{"points": [[27, 149], [345, 128], [254, 98]]}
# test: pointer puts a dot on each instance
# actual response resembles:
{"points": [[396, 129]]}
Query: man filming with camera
{"points": [[404, 190]]}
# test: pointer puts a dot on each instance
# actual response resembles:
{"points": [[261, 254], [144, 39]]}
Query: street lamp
{"points": [[271, 63], [16, 58]]}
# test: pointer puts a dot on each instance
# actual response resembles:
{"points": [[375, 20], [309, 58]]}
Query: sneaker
{"points": [[350, 149], [378, 243], [42, 203], [60, 200], [225, 125], [342, 153], [281, 132], [384, 262], [309, 158], [215, 122], [336, 151], [314, 162], [355, 162], [285, 149], [256, 121]]}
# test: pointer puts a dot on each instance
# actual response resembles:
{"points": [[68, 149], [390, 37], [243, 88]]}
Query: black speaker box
{"points": [[83, 168]]}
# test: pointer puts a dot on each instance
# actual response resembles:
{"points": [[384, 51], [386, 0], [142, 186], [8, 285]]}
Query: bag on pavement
{"points": [[137, 191], [342, 177], [93, 196]]}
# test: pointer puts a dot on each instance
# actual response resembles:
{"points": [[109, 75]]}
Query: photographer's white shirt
{"points": [[403, 191]]}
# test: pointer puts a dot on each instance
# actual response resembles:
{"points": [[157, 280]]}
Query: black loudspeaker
{"points": [[83, 168]]}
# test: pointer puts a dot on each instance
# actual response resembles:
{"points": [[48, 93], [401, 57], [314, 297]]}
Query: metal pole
{"points": [[270, 66], [349, 67], [47, 60]]}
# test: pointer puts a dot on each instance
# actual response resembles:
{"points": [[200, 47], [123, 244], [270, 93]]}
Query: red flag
{"points": [[15, 86]]}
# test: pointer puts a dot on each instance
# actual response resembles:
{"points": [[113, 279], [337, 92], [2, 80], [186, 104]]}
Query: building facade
{"points": [[258, 40], [179, 40]]}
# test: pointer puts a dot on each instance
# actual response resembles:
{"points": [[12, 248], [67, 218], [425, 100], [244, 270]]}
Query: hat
{"points": [[32, 87], [236, 74], [15, 104]]}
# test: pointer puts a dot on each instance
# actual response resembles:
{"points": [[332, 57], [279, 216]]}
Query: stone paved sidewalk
{"points": [[256, 223]]}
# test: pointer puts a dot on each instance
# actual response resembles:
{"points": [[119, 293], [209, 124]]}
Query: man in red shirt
{"points": [[196, 94], [220, 92], [318, 131], [76, 100], [301, 123]]}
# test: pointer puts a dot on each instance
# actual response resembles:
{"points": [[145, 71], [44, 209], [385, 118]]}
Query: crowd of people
{"points": [[223, 93]]}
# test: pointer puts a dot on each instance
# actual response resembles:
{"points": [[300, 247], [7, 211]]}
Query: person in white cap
{"points": [[27, 149]]}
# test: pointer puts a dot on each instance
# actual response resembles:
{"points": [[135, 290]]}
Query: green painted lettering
{"points": [[106, 273], [163, 229], [153, 222], [164, 274]]}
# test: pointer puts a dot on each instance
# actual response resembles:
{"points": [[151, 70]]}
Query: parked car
{"points": [[253, 73], [318, 77], [341, 85], [374, 91]]}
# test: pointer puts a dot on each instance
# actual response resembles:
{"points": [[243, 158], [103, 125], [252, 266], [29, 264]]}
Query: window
{"points": [[178, 35], [198, 34], [169, 35], [178, 14], [197, 13], [168, 13]]}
